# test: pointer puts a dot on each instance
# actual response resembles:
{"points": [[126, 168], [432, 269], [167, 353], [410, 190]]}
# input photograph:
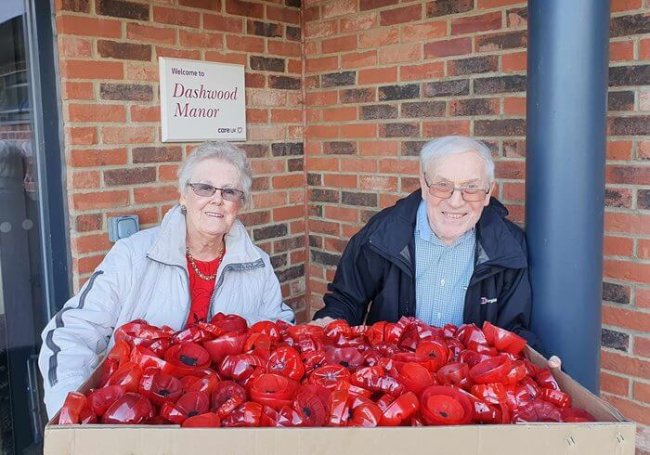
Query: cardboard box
{"points": [[612, 434]]}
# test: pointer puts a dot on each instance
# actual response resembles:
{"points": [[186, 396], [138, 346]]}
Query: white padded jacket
{"points": [[145, 277]]}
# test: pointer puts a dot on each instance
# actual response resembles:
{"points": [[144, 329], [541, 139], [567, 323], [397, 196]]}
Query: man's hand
{"points": [[554, 363], [322, 322]]}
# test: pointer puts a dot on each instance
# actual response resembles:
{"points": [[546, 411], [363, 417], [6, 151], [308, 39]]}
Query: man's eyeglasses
{"points": [[444, 190], [228, 194]]}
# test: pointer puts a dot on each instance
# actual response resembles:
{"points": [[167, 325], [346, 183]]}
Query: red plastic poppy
{"points": [[207, 383], [228, 344], [371, 357], [227, 396], [193, 333], [470, 333], [146, 358], [229, 323], [435, 352], [290, 417], [307, 344], [246, 415], [339, 408], [188, 405], [128, 376], [329, 376], [258, 343], [472, 358], [443, 405], [99, 400], [311, 401], [400, 410], [87, 416], [546, 380], [556, 397], [517, 372], [375, 333], [206, 420], [159, 346], [347, 357], [502, 339], [312, 331], [364, 413], [393, 332], [186, 358], [452, 373], [494, 393], [273, 390], [576, 415], [139, 331], [132, 408], [72, 409], [338, 328], [537, 411], [353, 390], [491, 370], [239, 367], [160, 387], [375, 379], [414, 376], [312, 360], [268, 328], [121, 352], [286, 361], [106, 370]]}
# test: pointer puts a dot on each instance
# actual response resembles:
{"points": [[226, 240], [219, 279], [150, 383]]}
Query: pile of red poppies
{"points": [[272, 374]]}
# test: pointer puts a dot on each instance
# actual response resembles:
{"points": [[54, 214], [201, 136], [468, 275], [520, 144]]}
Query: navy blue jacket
{"points": [[375, 278]]}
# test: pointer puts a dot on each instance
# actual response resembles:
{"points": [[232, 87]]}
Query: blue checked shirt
{"points": [[442, 273]]}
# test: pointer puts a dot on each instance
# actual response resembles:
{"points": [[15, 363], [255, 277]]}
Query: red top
{"points": [[200, 289]]}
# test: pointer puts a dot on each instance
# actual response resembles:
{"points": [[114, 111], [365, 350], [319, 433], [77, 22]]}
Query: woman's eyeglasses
{"points": [[227, 194]]}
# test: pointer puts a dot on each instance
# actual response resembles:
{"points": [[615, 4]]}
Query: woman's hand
{"points": [[322, 322]]}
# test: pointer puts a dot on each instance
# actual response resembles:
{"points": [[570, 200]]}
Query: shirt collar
{"points": [[423, 229]]}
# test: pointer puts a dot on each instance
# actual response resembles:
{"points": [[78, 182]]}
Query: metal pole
{"points": [[565, 177]]}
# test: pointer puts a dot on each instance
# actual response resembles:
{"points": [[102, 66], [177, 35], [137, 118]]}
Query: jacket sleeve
{"points": [[355, 283], [79, 333], [516, 306], [271, 306]]}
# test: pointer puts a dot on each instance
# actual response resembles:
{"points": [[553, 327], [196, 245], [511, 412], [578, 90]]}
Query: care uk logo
{"points": [[485, 300]]}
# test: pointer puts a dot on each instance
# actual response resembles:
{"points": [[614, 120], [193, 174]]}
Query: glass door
{"points": [[27, 219]]}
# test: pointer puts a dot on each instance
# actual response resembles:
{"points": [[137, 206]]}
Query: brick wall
{"points": [[381, 76], [116, 164]]}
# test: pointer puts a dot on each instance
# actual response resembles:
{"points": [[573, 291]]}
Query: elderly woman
{"points": [[198, 262], [446, 253]]}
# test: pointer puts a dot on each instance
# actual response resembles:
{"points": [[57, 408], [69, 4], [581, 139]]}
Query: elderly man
{"points": [[446, 253]]}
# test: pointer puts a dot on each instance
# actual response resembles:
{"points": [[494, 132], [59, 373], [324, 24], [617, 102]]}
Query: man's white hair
{"points": [[452, 145]]}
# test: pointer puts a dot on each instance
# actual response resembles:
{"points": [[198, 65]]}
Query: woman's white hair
{"points": [[451, 145], [223, 151]]}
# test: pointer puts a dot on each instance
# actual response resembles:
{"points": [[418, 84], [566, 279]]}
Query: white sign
{"points": [[201, 101]]}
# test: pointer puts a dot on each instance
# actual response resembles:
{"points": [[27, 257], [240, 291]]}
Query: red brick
{"points": [[145, 113], [286, 115], [644, 49], [138, 71], [497, 3], [629, 223], [619, 150], [200, 39], [399, 166], [155, 194], [457, 46], [245, 43], [358, 22], [150, 34], [80, 135], [317, 65], [642, 346], [339, 44], [379, 148], [641, 392], [625, 5], [643, 150], [88, 222], [282, 14], [338, 8], [203, 4], [89, 263], [100, 200], [628, 174], [616, 385], [630, 409], [629, 319], [324, 227], [627, 271], [288, 213], [378, 38], [284, 48], [514, 191], [288, 181], [323, 164], [445, 128], [174, 16], [359, 59], [514, 62], [242, 8], [344, 214], [71, 46], [642, 299], [127, 135], [400, 53], [223, 23], [321, 29], [85, 180], [425, 71], [473, 24], [168, 173], [359, 130], [400, 15], [96, 113], [514, 106], [177, 53], [618, 246], [267, 200], [88, 26], [423, 32], [378, 75], [78, 91], [643, 249], [228, 57], [340, 181], [98, 157], [340, 114], [378, 183], [81, 69], [91, 243], [621, 51]]}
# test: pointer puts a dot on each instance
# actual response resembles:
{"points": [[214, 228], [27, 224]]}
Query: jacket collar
{"points": [[169, 245], [496, 245]]}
